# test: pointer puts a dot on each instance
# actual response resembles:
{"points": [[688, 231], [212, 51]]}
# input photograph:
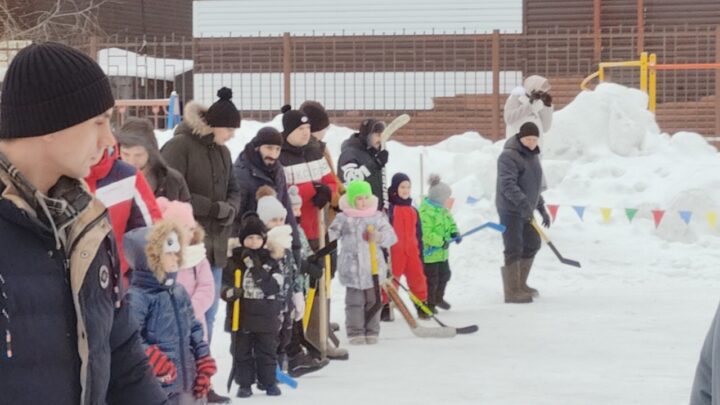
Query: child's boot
{"points": [[244, 392], [273, 390]]}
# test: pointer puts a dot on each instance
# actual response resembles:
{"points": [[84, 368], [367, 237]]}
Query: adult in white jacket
{"points": [[530, 102]]}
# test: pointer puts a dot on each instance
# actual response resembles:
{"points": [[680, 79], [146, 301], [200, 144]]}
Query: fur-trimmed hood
{"points": [[194, 120], [143, 248]]}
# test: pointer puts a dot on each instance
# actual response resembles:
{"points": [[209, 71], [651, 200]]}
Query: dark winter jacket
{"points": [[47, 295], [262, 282], [164, 315], [519, 180], [706, 387], [207, 169], [251, 173], [303, 167], [164, 180], [359, 162]]}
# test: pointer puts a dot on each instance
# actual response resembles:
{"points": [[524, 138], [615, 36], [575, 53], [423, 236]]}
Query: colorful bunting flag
{"points": [[553, 210], [472, 200], [658, 216], [712, 218], [580, 211], [686, 216], [606, 213], [630, 213]]}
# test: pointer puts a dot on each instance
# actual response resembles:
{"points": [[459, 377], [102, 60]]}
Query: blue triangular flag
{"points": [[580, 211], [472, 200], [686, 216]]}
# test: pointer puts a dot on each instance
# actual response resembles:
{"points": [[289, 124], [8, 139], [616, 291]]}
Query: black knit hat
{"points": [[252, 225], [292, 119], [528, 129], [50, 87], [267, 136], [317, 115], [223, 113]]}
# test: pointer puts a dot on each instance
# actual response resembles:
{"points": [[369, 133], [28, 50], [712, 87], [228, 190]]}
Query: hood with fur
{"points": [[194, 119]]}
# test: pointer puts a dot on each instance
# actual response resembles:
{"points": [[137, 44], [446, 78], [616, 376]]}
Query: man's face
{"points": [[76, 149], [222, 135], [300, 136], [269, 153], [530, 142], [374, 140], [320, 135], [135, 155]]}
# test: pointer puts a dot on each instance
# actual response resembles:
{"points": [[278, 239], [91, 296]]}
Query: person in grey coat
{"points": [[352, 227], [518, 195], [706, 387]]}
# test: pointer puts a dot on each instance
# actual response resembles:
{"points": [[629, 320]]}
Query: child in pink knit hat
{"points": [[196, 276]]}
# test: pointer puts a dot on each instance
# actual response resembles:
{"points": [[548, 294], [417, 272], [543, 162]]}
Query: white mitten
{"points": [[280, 237], [537, 105], [298, 300]]}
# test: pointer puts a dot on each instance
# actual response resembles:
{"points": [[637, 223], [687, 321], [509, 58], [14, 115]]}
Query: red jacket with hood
{"points": [[126, 194]]}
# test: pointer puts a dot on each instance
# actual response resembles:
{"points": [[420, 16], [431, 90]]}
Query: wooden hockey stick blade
{"points": [[399, 122], [563, 260], [417, 330]]}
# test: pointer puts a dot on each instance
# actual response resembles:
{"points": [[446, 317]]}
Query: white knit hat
{"points": [[269, 208]]}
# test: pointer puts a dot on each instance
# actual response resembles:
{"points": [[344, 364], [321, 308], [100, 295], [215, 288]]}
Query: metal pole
{"points": [[287, 67], [496, 84]]}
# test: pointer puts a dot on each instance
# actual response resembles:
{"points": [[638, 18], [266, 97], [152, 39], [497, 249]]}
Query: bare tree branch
{"points": [[64, 19]]}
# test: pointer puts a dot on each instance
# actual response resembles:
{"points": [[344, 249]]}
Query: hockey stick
{"points": [[417, 330], [547, 240], [461, 331], [492, 225], [399, 122], [284, 378], [377, 306]]}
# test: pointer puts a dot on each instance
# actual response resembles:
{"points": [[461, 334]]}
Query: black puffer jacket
{"points": [[359, 162], [519, 180], [47, 296], [207, 169]]}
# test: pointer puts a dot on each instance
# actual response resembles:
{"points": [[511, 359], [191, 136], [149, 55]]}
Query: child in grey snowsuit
{"points": [[353, 228]]}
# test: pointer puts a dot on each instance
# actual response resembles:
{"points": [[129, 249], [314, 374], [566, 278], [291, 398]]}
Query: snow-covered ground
{"points": [[625, 329]]}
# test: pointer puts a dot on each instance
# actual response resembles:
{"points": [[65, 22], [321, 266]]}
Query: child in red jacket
{"points": [[407, 253]]}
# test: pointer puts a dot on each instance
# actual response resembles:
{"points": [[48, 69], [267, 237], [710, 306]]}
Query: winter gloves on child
{"points": [[313, 268], [322, 196], [206, 368], [279, 239], [232, 294], [298, 300], [163, 368], [382, 157]]}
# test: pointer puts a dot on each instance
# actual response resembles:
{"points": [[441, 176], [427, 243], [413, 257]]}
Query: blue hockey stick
{"points": [[492, 225], [284, 378]]}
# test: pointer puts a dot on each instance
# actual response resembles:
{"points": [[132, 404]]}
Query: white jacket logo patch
{"points": [[351, 172], [104, 277]]}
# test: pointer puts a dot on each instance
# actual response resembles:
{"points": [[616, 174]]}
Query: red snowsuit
{"points": [[406, 253]]}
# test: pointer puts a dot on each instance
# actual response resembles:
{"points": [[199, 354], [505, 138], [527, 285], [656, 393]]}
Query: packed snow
{"points": [[627, 328]]}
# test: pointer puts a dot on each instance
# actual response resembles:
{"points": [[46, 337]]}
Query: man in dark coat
{"points": [[258, 166], [199, 153], [139, 147], [361, 158], [518, 195], [66, 337]]}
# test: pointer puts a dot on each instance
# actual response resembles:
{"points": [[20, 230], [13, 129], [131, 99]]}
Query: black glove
{"points": [[312, 268], [457, 238], [234, 293], [535, 95], [222, 211], [382, 157], [322, 196], [545, 217], [546, 99]]}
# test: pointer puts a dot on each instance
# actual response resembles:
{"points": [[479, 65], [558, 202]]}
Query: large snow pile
{"points": [[626, 328]]}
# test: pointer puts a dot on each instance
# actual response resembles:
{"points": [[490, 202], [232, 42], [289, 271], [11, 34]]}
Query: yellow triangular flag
{"points": [[606, 213], [712, 219]]}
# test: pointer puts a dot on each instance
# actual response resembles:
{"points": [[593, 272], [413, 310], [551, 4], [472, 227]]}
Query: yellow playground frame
{"points": [[648, 73]]}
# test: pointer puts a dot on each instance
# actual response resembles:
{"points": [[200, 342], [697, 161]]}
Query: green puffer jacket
{"points": [[438, 226]]}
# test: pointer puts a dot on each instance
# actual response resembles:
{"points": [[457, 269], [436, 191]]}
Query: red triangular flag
{"points": [[658, 216], [553, 210]]}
